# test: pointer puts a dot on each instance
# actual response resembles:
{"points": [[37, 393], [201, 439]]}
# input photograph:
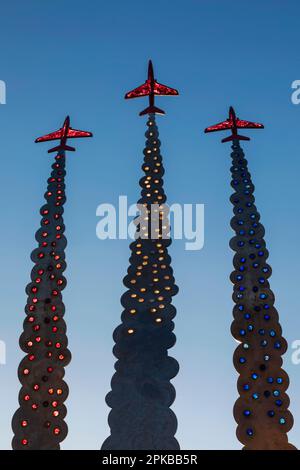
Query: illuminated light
{"points": [[34, 406], [26, 397], [158, 320], [141, 300], [50, 391], [38, 280], [55, 413], [31, 357], [161, 306], [133, 310], [54, 404], [53, 308], [133, 296], [50, 369], [31, 319], [34, 300], [55, 318], [24, 442], [56, 431], [54, 292], [24, 423], [133, 281], [38, 339], [130, 331], [59, 391], [57, 345], [41, 255], [26, 372], [36, 387], [54, 329], [167, 288], [142, 289], [61, 357]]}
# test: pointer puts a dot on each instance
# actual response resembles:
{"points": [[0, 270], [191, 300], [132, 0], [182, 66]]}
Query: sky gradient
{"points": [[79, 58]]}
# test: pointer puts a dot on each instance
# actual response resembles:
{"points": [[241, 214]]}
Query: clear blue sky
{"points": [[79, 58]]}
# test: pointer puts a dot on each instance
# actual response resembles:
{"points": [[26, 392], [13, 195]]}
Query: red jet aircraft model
{"points": [[64, 133], [151, 88], [234, 123]]}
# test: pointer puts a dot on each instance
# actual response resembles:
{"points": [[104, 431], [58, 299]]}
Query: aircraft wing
{"points": [[248, 124], [53, 136], [221, 126], [143, 90], [73, 133], [160, 89]]}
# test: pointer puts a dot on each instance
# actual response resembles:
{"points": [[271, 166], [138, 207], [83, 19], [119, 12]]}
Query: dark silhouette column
{"points": [[141, 395], [39, 422], [261, 411]]}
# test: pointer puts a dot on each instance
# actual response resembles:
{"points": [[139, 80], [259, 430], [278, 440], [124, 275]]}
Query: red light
{"points": [[56, 431], [24, 423], [24, 442]]}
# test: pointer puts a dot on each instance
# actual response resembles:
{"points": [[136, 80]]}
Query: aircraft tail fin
{"points": [[62, 147], [235, 137], [151, 110]]}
